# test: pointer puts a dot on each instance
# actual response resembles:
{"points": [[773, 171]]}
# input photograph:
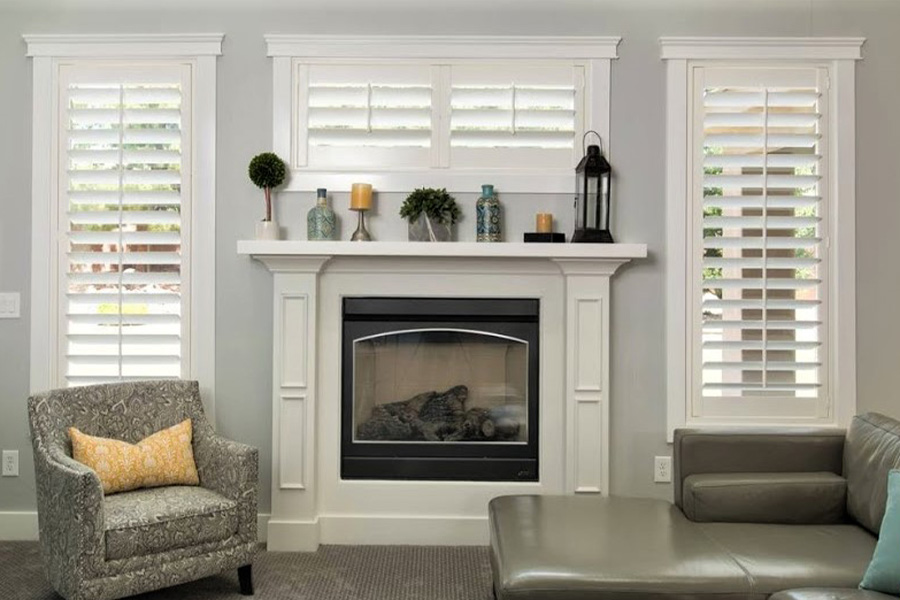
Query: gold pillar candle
{"points": [[543, 222], [361, 196]]}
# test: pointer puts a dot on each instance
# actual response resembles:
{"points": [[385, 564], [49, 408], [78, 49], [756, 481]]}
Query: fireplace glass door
{"points": [[440, 385]]}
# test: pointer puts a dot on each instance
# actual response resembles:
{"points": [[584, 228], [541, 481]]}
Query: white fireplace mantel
{"points": [[280, 255], [311, 504]]}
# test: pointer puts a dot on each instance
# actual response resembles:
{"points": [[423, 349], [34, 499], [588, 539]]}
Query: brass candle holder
{"points": [[361, 234]]}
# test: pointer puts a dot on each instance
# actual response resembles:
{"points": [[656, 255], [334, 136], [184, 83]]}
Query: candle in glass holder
{"points": [[543, 222], [361, 196]]}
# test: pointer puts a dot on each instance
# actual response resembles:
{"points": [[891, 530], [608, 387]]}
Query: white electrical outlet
{"points": [[9, 305], [10, 463], [662, 469]]}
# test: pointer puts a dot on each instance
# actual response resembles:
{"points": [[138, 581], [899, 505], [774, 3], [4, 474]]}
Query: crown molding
{"points": [[123, 45], [761, 48], [445, 47]]}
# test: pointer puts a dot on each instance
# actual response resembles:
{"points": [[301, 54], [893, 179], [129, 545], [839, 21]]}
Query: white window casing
{"points": [[123, 195], [441, 111], [760, 265]]}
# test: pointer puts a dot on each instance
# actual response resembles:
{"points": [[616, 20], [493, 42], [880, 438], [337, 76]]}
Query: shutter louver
{"points": [[510, 116], [761, 263], [122, 192], [369, 115]]}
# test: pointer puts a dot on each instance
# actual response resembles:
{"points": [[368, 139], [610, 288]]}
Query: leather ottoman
{"points": [[593, 548], [596, 548]]}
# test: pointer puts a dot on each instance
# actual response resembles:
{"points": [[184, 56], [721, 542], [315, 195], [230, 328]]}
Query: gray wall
{"points": [[243, 292]]}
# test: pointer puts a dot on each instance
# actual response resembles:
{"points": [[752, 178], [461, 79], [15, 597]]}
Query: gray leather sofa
{"points": [[786, 514]]}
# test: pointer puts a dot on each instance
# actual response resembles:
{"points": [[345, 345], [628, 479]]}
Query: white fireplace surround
{"points": [[310, 502]]}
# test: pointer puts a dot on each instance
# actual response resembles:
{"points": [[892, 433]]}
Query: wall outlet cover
{"points": [[10, 463], [662, 469], [9, 305]]}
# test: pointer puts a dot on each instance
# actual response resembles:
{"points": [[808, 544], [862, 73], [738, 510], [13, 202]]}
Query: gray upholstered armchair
{"points": [[100, 548]]}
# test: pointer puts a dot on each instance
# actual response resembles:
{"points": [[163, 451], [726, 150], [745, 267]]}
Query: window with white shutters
{"points": [[124, 193], [759, 259], [368, 116], [502, 115]]}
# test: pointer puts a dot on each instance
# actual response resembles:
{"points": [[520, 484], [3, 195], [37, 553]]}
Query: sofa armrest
{"points": [[699, 451], [784, 498], [232, 470], [70, 520]]}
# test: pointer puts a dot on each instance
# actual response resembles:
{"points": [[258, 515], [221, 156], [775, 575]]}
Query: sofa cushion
{"points": [[793, 498], [871, 450], [754, 450], [780, 557], [830, 594], [155, 520], [577, 547]]}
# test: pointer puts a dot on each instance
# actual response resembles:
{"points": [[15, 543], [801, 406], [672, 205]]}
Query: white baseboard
{"points": [[18, 526], [262, 527], [292, 536], [23, 526], [413, 531], [305, 536]]}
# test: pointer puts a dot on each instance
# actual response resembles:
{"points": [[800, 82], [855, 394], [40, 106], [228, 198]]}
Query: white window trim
{"points": [[48, 51], [596, 52], [840, 54]]}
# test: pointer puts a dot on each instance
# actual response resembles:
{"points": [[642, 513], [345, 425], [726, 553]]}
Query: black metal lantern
{"points": [[593, 185]]}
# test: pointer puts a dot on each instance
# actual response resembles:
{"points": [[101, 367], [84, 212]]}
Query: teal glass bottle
{"points": [[320, 220], [487, 211]]}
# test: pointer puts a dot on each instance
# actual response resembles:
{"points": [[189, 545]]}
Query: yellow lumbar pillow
{"points": [[164, 458]]}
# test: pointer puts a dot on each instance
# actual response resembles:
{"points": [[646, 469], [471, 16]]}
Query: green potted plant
{"points": [[267, 171], [431, 214]]}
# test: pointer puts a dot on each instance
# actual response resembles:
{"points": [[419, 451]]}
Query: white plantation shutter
{"points": [[513, 116], [759, 255], [419, 115], [124, 192], [367, 115]]}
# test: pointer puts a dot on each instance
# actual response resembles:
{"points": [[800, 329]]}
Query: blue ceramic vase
{"points": [[321, 223], [487, 210]]}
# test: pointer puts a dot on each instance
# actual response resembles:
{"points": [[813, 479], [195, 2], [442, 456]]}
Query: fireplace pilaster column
{"points": [[293, 525], [587, 373]]}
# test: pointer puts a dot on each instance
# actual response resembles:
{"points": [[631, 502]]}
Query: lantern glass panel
{"points": [[603, 202], [580, 189], [592, 201]]}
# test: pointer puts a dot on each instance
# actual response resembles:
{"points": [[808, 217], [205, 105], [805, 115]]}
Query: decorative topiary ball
{"points": [[267, 170]]}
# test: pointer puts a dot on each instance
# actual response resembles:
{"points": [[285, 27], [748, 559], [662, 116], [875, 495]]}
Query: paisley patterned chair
{"points": [[100, 548]]}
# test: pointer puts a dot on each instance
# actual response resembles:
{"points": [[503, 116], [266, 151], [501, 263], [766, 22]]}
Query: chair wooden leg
{"points": [[245, 576]]}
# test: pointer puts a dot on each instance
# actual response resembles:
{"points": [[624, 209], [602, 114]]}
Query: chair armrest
{"points": [[232, 470], [699, 451], [70, 520]]}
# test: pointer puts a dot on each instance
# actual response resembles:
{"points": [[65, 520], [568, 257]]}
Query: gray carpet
{"points": [[332, 573]]}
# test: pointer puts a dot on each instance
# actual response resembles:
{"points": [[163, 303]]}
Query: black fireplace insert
{"points": [[440, 389]]}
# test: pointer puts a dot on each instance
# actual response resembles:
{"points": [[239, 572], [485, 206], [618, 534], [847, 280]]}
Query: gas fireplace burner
{"points": [[440, 388]]}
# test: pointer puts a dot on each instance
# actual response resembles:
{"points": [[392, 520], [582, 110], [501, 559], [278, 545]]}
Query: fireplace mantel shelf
{"points": [[302, 248]]}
